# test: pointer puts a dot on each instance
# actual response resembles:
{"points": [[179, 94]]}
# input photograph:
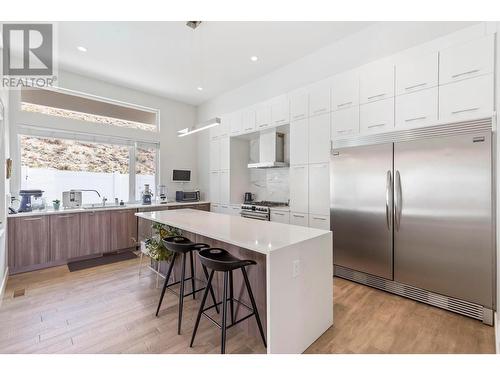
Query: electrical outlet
{"points": [[296, 268]]}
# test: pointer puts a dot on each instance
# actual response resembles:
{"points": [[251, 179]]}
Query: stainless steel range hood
{"points": [[271, 150]]}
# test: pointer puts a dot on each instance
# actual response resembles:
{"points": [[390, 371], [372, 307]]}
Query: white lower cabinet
{"points": [[224, 209], [215, 187], [214, 207], [417, 109], [319, 189], [298, 218], [345, 122], [319, 139], [224, 187], [467, 99], [299, 188], [235, 209], [280, 216], [377, 117], [319, 221]]}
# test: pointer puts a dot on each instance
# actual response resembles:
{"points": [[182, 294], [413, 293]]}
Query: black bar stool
{"points": [[183, 246], [217, 259]]}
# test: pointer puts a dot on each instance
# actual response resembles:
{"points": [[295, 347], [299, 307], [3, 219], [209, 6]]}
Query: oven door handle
{"points": [[255, 215]]}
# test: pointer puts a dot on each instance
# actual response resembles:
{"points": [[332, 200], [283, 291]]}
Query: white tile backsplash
{"points": [[270, 184]]}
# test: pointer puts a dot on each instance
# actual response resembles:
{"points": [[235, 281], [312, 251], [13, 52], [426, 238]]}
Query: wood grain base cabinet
{"points": [[123, 229], [95, 236], [28, 241], [64, 236]]}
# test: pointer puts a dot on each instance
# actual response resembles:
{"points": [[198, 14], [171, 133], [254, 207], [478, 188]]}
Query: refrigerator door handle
{"points": [[399, 201], [388, 200]]}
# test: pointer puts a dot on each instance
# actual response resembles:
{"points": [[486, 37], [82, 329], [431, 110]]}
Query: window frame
{"points": [[30, 131]]}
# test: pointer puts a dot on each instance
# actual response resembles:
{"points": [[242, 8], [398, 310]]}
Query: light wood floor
{"points": [[109, 309]]}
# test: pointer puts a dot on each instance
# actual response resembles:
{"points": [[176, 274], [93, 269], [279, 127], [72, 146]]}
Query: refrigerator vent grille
{"points": [[448, 303], [441, 130]]}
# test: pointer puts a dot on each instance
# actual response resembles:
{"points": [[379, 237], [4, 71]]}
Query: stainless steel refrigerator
{"points": [[415, 217]]}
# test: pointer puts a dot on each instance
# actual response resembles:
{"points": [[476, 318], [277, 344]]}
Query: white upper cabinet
{"points": [[299, 134], [248, 120], [319, 139], [280, 110], [467, 99], [299, 188], [319, 188], [319, 98], [417, 109], [345, 122], [224, 153], [236, 124], [417, 74], [224, 128], [345, 90], [376, 81], [376, 117], [467, 60], [263, 118], [214, 155], [299, 104], [214, 132]]}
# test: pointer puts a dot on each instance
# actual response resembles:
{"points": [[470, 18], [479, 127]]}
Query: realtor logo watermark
{"points": [[28, 55]]}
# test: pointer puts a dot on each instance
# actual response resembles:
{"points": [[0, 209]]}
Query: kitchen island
{"points": [[292, 280]]}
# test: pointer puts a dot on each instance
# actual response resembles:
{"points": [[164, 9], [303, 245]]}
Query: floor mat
{"points": [[105, 259]]}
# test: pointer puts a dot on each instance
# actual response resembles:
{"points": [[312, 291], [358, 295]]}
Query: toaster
{"points": [[72, 199]]}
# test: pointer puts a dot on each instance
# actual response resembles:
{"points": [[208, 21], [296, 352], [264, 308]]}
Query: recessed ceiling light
{"points": [[200, 88], [254, 58], [81, 49]]}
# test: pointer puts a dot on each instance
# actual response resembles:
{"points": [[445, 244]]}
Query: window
{"points": [[145, 169], [90, 109], [56, 165]]}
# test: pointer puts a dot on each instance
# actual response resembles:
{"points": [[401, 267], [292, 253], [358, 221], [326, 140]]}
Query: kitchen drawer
{"points": [[417, 74], [280, 216], [417, 109], [299, 188], [319, 221], [467, 60], [319, 138], [236, 124], [263, 118], [248, 120], [467, 99], [299, 135], [299, 105], [280, 110], [345, 90], [319, 98], [297, 218], [376, 82], [376, 117], [224, 209], [345, 122], [319, 188]]}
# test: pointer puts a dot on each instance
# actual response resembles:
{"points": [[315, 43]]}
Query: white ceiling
{"points": [[169, 59]]}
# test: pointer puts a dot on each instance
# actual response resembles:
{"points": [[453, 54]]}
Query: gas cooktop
{"points": [[267, 204]]}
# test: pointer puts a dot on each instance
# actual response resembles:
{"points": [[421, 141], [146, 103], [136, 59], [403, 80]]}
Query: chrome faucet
{"points": [[104, 199]]}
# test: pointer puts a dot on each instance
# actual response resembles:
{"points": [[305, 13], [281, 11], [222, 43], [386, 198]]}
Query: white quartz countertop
{"points": [[257, 235], [128, 206]]}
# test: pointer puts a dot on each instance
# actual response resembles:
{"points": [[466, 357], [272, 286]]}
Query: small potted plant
{"points": [[56, 204], [156, 250]]}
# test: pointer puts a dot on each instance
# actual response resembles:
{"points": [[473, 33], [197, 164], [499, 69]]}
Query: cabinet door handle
{"points": [[32, 219], [376, 125], [415, 86], [344, 104], [465, 110], [298, 215], [416, 118], [279, 214], [298, 116], [376, 96], [320, 110], [65, 216], [319, 218], [262, 125], [248, 129], [344, 131], [465, 73]]}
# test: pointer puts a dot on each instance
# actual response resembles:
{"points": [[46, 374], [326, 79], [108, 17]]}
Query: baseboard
{"points": [[3, 285], [497, 334]]}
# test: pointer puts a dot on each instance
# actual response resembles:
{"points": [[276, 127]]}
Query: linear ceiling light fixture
{"points": [[195, 129]]}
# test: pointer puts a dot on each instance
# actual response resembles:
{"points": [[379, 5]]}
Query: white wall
{"points": [[175, 153], [375, 42]]}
